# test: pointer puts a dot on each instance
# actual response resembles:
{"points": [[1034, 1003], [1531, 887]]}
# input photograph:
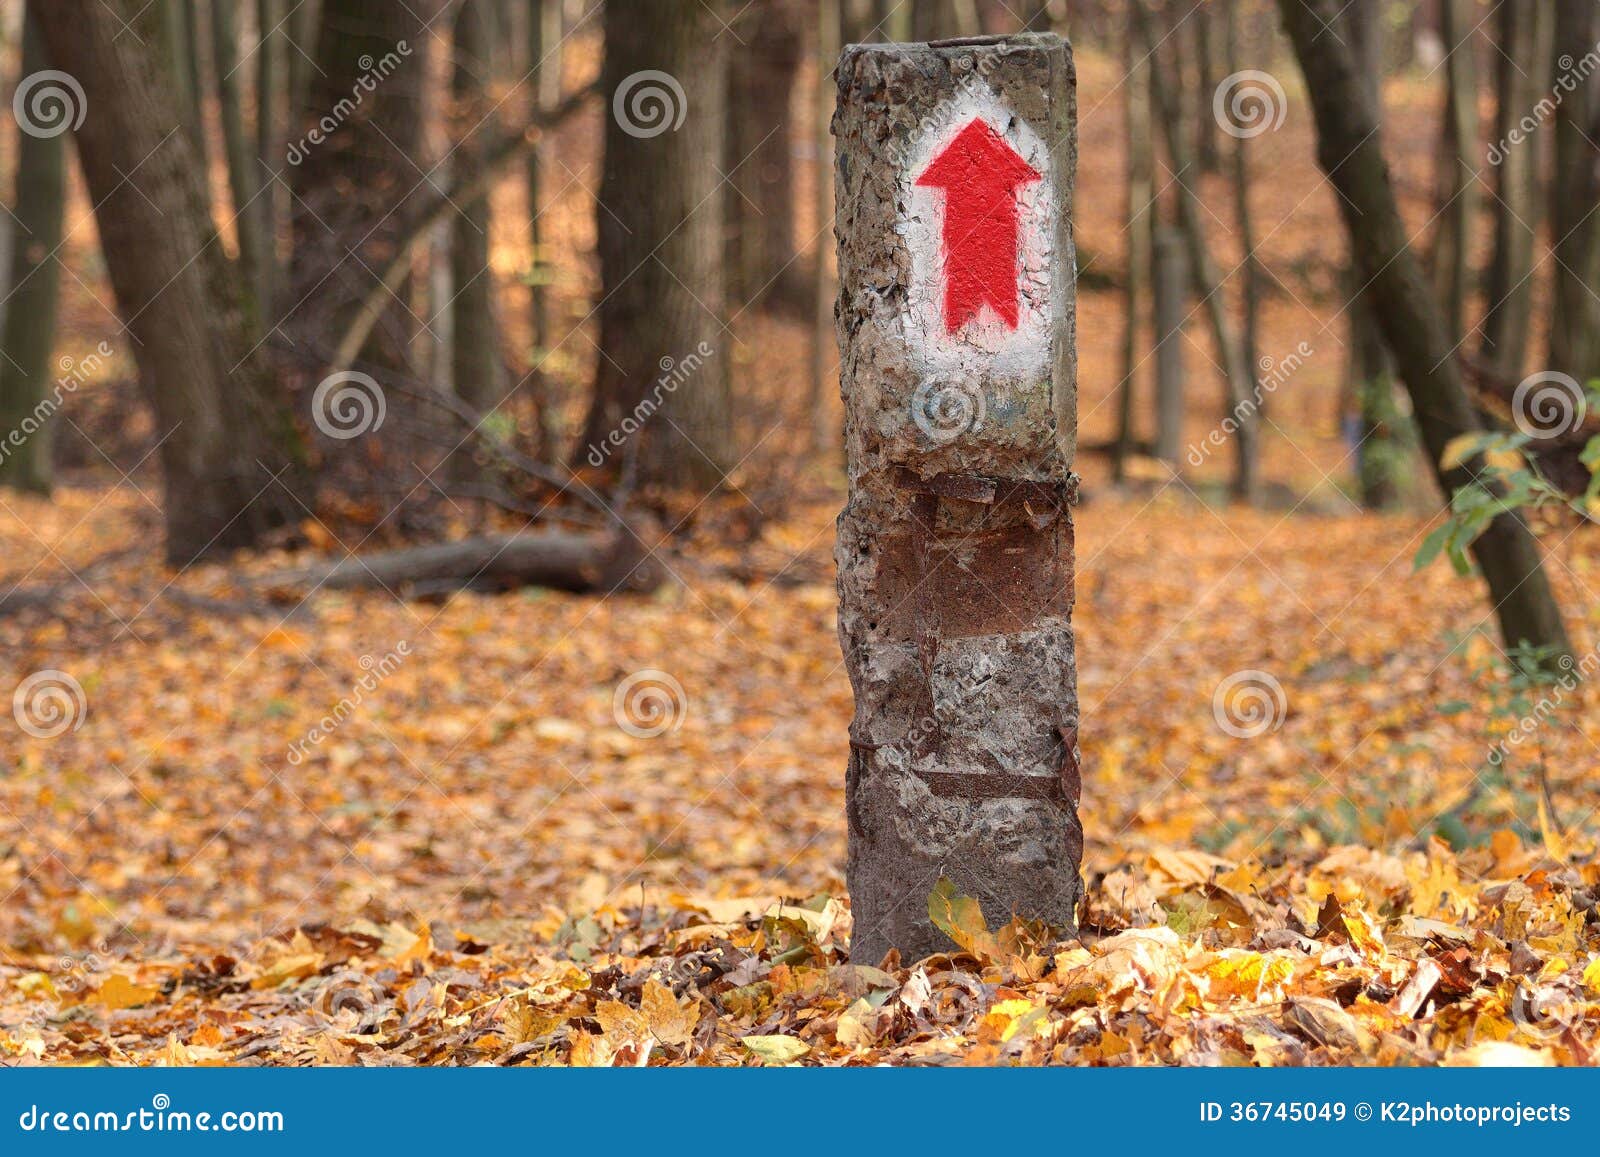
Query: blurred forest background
{"points": [[419, 446]]}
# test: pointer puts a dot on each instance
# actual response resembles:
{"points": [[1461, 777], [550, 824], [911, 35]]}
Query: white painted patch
{"points": [[986, 345]]}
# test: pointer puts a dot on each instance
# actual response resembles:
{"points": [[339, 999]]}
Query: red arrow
{"points": [[980, 175]]}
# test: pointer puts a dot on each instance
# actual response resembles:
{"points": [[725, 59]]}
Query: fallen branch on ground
{"points": [[560, 560]]}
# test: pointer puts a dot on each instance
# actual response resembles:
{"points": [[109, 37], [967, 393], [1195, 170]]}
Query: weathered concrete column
{"points": [[956, 328]]}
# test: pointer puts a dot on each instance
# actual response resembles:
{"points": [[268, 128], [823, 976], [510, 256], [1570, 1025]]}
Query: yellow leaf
{"points": [[1554, 842], [960, 918], [295, 966], [1591, 975], [1458, 450], [670, 1023], [852, 1027], [776, 1050], [119, 992], [618, 1022]]}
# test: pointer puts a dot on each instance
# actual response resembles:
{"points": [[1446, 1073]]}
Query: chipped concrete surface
{"points": [[955, 547]]}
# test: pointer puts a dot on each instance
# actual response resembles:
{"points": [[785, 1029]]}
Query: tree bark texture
{"points": [[226, 433], [759, 158], [660, 224], [1575, 227], [33, 289]]}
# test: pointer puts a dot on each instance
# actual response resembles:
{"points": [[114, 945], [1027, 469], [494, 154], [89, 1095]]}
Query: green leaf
{"points": [[959, 917], [1431, 546]]}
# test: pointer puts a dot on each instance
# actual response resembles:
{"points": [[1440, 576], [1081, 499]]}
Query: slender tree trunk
{"points": [[757, 157], [1206, 281], [243, 183], [1522, 78], [229, 451], [1575, 323], [355, 183], [660, 225], [1350, 150], [1371, 375], [894, 18], [544, 61], [474, 361], [1207, 153], [1140, 209], [943, 19], [181, 33], [824, 347], [1252, 279], [1169, 275], [271, 102], [1459, 161], [33, 292], [303, 24]]}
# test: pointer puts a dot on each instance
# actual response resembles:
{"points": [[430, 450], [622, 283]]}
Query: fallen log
{"points": [[560, 560]]}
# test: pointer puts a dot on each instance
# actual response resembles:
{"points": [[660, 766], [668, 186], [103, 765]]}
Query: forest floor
{"points": [[478, 857]]}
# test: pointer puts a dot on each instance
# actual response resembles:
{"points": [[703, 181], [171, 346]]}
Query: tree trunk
{"points": [[1522, 79], [1241, 410], [1459, 161], [824, 347], [1351, 153], [474, 360], [27, 407], [660, 225], [758, 158], [1207, 154], [544, 62], [943, 19], [352, 144], [1169, 275], [243, 180], [1371, 374], [1244, 220], [228, 446], [180, 25], [271, 103], [894, 19], [1575, 322], [1140, 209]]}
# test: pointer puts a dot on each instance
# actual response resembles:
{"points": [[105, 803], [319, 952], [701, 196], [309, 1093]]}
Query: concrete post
{"points": [[956, 312]]}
